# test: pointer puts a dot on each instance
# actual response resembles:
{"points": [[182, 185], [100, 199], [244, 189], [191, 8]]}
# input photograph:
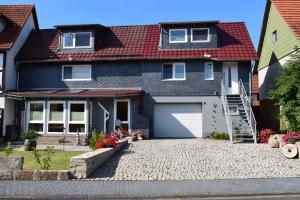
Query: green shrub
{"points": [[30, 135], [8, 149], [220, 135], [96, 136]]}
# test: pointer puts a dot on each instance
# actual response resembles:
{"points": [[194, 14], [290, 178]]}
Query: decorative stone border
{"points": [[85, 164]]}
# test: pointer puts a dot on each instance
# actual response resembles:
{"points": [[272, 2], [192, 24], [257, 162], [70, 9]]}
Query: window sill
{"points": [[173, 79], [77, 80]]}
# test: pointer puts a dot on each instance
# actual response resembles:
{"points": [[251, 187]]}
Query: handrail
{"points": [[226, 110], [248, 109]]}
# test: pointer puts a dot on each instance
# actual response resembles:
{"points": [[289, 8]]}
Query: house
{"points": [[170, 80], [16, 23], [279, 39]]}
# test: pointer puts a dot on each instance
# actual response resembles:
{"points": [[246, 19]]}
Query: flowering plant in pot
{"points": [[291, 137], [29, 138], [107, 141]]}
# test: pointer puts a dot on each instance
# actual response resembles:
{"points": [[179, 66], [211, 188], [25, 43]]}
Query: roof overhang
{"points": [[75, 93], [190, 22], [79, 26]]}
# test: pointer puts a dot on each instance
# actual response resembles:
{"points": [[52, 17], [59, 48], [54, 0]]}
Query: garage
{"points": [[177, 120]]}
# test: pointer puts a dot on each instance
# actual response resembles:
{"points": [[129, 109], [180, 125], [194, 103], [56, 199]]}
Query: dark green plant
{"points": [[30, 135], [96, 136], [8, 149], [44, 162], [286, 92], [220, 135]]}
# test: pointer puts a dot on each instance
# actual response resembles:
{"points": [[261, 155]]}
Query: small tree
{"points": [[8, 149], [44, 162], [286, 93]]}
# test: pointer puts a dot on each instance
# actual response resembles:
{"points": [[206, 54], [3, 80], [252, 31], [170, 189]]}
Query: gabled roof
{"points": [[139, 42], [16, 16], [290, 12]]}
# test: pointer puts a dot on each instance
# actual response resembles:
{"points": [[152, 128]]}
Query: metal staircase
{"points": [[241, 124]]}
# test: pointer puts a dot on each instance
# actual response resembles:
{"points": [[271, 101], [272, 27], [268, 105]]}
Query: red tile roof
{"points": [[16, 15], [290, 11], [139, 42], [83, 93]]}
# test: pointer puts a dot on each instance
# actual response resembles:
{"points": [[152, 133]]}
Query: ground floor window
{"points": [[36, 116], [77, 117], [57, 117]]}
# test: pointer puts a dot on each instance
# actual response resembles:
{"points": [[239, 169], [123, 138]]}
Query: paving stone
{"points": [[189, 159]]}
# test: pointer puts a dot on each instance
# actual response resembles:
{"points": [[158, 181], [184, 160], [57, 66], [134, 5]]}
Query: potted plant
{"points": [[29, 138]]}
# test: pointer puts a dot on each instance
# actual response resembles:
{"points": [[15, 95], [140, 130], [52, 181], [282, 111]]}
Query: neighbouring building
{"points": [[280, 37], [171, 80], [16, 23]]}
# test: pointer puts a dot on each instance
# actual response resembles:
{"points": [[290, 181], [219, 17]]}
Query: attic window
{"points": [[77, 40], [200, 35], [177, 35], [274, 36]]}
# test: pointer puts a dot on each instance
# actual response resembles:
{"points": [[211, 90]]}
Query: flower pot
{"points": [[29, 145]]}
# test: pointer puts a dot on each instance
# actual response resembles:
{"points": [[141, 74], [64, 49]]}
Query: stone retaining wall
{"points": [[11, 168], [85, 164], [54, 140]]}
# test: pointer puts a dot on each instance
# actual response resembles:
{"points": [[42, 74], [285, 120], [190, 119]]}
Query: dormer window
{"points": [[177, 35], [77, 40], [200, 35]]}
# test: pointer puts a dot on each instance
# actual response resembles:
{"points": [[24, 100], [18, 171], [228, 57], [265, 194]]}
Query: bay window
{"points": [[56, 117], [36, 116]]}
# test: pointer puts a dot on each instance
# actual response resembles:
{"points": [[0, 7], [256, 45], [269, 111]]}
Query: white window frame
{"points": [[237, 110], [212, 78], [74, 41], [76, 79], [173, 72], [85, 121], [56, 122], [199, 41], [179, 29], [129, 114], [28, 121]]}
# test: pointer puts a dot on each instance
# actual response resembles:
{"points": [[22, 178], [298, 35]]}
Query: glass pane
{"points": [[167, 71], [36, 127], [1, 60], [82, 39], [68, 40], [36, 112], [208, 71], [200, 35], [229, 77], [56, 112], [122, 111], [82, 72], [76, 127], [77, 112], [177, 35], [57, 128], [67, 73], [179, 71]]}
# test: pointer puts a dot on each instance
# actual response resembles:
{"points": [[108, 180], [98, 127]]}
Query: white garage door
{"points": [[177, 120]]}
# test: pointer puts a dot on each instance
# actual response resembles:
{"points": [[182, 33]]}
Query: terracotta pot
{"points": [[29, 145], [275, 144]]}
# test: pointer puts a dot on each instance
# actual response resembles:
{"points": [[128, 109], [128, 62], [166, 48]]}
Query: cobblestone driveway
{"points": [[196, 159]]}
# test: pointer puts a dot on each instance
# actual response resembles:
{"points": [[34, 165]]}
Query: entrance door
{"points": [[122, 114], [230, 71]]}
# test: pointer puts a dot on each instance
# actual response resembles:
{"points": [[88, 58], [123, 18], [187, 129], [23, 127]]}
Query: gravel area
{"points": [[180, 159]]}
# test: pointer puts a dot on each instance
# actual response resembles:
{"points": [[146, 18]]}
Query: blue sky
{"points": [[129, 12]]}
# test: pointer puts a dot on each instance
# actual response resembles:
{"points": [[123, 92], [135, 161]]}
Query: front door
{"points": [[230, 72], [122, 114]]}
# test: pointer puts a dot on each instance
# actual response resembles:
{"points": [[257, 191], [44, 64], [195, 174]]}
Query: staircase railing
{"points": [[226, 110], [248, 109]]}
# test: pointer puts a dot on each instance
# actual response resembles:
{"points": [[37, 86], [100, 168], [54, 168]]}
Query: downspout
{"points": [[105, 117]]}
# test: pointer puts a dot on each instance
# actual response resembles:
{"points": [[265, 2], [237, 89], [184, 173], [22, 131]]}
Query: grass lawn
{"points": [[59, 161]]}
